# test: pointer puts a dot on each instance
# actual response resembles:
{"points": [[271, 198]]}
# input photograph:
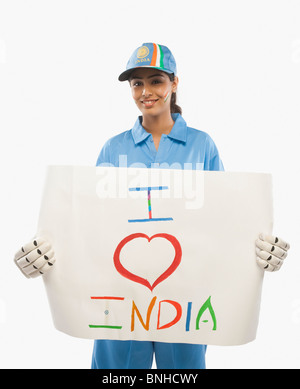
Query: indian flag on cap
{"points": [[157, 56], [150, 55]]}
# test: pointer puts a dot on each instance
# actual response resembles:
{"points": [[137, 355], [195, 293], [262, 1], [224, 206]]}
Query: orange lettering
{"points": [[149, 311]]}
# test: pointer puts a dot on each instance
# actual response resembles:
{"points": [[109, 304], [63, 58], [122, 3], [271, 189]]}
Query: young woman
{"points": [[160, 138]]}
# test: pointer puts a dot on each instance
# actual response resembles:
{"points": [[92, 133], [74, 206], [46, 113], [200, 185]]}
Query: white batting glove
{"points": [[35, 258], [270, 252]]}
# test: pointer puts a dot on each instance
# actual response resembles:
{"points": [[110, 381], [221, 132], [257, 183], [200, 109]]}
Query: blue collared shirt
{"points": [[183, 148]]}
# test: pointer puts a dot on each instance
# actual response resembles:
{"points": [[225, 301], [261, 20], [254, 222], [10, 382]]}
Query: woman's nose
{"points": [[146, 92]]}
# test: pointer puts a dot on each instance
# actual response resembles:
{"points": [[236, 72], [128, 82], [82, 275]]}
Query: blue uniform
{"points": [[183, 148]]}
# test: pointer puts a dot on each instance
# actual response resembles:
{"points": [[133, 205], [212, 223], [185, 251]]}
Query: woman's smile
{"points": [[149, 103]]}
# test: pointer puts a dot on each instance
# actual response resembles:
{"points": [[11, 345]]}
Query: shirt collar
{"points": [[178, 132]]}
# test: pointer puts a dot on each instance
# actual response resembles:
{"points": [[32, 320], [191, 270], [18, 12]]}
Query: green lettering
{"points": [[205, 306]]}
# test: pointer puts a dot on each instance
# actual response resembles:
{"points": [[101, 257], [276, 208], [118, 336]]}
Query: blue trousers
{"points": [[127, 354]]}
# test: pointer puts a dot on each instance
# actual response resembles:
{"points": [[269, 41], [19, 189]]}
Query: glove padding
{"points": [[35, 258], [270, 252]]}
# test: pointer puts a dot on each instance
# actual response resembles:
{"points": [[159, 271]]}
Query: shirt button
{"points": [[151, 140]]}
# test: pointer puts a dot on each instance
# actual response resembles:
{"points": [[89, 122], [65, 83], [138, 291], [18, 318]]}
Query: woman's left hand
{"points": [[270, 252]]}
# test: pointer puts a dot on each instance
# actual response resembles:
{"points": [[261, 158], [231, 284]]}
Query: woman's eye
{"points": [[156, 81]]}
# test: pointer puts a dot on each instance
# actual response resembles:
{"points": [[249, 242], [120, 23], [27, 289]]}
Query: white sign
{"points": [[155, 254]]}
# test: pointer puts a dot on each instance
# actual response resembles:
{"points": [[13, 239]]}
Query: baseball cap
{"points": [[150, 55]]}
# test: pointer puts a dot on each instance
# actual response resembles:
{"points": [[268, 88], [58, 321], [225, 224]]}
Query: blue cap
{"points": [[150, 55]]}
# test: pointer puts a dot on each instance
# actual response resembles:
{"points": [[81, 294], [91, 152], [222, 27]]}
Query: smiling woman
{"points": [[159, 138]]}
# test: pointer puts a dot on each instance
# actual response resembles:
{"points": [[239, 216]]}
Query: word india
{"points": [[145, 322]]}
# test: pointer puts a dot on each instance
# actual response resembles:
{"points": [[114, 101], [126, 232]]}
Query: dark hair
{"points": [[174, 107]]}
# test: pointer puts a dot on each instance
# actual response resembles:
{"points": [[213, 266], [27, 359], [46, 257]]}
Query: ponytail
{"points": [[174, 107]]}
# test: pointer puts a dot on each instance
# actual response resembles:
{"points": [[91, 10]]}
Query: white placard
{"points": [[155, 254]]}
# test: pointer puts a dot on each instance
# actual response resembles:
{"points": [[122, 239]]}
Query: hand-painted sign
{"points": [[153, 254]]}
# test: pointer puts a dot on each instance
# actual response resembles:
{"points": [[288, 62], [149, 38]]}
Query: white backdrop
{"points": [[60, 100]]}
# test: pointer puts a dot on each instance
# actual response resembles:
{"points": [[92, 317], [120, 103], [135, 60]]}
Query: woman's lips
{"points": [[149, 103]]}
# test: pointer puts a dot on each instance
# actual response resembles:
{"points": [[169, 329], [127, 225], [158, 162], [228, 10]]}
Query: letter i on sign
{"points": [[150, 219]]}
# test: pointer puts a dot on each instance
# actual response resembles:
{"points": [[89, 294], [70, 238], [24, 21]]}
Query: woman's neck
{"points": [[158, 125]]}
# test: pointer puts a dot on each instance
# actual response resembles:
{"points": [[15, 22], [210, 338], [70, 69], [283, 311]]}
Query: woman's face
{"points": [[151, 90]]}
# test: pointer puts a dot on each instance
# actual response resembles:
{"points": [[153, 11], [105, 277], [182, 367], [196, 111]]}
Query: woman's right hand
{"points": [[35, 258]]}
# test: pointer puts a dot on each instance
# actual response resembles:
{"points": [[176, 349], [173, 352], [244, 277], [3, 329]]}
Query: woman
{"points": [[160, 138]]}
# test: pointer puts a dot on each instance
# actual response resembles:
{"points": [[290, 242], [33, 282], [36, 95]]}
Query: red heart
{"points": [[133, 277]]}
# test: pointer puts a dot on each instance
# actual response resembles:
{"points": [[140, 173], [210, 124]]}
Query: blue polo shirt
{"points": [[183, 148]]}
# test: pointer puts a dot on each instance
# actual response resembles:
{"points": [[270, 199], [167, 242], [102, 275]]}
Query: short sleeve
{"points": [[104, 156], [212, 158]]}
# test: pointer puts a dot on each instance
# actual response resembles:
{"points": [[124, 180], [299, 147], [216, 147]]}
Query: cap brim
{"points": [[125, 75]]}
